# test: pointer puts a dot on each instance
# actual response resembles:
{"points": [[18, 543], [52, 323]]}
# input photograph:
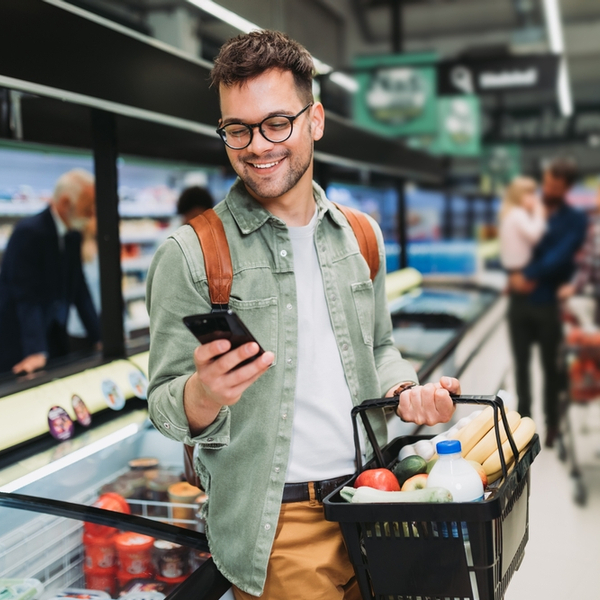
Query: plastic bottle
{"points": [[453, 472]]}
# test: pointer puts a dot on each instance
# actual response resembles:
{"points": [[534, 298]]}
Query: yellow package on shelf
{"points": [[25, 414], [141, 361]]}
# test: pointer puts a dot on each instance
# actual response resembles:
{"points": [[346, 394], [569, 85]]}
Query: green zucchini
{"points": [[367, 494]]}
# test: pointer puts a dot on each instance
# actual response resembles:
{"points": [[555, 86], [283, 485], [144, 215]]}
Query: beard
{"points": [[297, 162], [553, 201], [280, 183]]}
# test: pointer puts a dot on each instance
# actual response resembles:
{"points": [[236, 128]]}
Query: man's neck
{"points": [[61, 226]]}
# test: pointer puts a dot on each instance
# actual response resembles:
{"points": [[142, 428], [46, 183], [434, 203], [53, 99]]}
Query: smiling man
{"points": [[274, 436]]}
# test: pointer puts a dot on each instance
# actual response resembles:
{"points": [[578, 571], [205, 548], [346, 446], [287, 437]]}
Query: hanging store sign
{"points": [[542, 125], [492, 76], [459, 128], [397, 96]]}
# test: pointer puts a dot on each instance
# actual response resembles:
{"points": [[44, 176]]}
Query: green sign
{"points": [[459, 128], [397, 94], [500, 163], [459, 123]]}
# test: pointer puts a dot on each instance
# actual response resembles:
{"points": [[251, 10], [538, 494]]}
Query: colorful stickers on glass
{"points": [[139, 384], [60, 423], [113, 395], [82, 413]]}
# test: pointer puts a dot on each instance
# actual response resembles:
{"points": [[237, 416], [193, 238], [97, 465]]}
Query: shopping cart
{"points": [[437, 551], [581, 356]]}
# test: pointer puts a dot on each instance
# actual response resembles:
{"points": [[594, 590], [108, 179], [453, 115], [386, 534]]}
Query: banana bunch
{"points": [[477, 437]]}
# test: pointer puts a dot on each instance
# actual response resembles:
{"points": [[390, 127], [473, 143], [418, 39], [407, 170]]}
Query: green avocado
{"points": [[409, 466]]}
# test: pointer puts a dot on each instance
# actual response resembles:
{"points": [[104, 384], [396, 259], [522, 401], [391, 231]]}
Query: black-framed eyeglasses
{"points": [[275, 129]]}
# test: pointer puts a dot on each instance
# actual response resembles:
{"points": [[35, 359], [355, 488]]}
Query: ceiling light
{"points": [[226, 15], [556, 41], [554, 26], [245, 26]]}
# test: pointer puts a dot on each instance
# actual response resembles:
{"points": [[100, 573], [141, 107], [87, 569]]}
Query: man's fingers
{"points": [[451, 384]]}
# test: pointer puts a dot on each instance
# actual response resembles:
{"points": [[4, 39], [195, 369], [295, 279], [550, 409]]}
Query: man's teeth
{"points": [[265, 165]]}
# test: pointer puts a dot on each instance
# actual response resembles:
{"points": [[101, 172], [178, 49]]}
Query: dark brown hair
{"points": [[565, 169], [249, 55]]}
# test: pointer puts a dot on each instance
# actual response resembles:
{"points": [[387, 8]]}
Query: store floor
{"points": [[562, 559]]}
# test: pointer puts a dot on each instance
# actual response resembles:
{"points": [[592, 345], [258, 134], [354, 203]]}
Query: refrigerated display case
{"points": [[52, 539]]}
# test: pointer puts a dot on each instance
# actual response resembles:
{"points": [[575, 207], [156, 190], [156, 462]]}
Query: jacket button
{"points": [[167, 426], [267, 526], [210, 439], [283, 253]]}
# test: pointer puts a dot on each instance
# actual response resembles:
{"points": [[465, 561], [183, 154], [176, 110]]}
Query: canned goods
{"points": [[171, 559], [135, 553]]}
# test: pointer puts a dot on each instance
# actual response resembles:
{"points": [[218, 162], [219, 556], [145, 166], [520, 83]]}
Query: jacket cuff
{"points": [[216, 435], [391, 377]]}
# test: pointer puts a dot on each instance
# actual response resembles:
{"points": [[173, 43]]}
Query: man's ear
{"points": [[317, 121], [63, 207]]}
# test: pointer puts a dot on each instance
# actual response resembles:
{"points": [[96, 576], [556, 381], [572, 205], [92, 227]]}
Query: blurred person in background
{"points": [[522, 223], [42, 276], [192, 202], [534, 309], [587, 277]]}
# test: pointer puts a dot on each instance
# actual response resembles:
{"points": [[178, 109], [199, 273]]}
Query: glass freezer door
{"points": [[51, 550]]}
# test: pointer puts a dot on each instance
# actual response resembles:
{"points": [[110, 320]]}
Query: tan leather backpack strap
{"points": [[365, 235], [217, 259]]}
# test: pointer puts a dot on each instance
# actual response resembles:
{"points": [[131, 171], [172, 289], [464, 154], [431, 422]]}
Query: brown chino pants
{"points": [[308, 560]]}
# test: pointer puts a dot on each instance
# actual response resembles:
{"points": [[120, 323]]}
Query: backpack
{"points": [[219, 272]]}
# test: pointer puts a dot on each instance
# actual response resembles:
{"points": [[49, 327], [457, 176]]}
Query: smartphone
{"points": [[225, 325]]}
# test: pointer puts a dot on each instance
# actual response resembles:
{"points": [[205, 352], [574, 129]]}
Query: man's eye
{"points": [[236, 131], [278, 125]]}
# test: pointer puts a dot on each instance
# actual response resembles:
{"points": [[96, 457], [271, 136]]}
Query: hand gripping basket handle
{"points": [[494, 401]]}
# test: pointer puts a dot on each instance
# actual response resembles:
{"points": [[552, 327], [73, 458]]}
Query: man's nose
{"points": [[259, 143]]}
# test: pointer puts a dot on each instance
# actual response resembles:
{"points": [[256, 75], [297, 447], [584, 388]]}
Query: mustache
{"points": [[264, 157]]}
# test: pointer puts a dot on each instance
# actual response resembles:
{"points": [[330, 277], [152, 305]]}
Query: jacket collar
{"points": [[250, 215]]}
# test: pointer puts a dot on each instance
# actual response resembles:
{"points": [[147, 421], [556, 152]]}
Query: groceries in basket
{"points": [[464, 461], [447, 549]]}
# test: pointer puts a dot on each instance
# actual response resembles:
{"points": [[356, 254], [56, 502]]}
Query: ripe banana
{"points": [[522, 436], [486, 446]]}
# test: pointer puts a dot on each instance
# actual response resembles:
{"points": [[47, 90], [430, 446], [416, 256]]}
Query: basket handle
{"points": [[494, 401]]}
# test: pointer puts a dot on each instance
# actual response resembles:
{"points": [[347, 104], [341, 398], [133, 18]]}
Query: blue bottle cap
{"points": [[448, 447]]}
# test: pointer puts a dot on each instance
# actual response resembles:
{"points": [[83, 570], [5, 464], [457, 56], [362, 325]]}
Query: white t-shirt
{"points": [[520, 231], [322, 440]]}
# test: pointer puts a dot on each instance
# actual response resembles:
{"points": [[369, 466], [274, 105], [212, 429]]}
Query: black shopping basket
{"points": [[410, 551]]}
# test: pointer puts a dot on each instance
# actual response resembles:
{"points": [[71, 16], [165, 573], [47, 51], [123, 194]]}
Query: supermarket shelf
{"points": [[153, 237], [21, 209], [134, 292], [135, 324], [132, 265]]}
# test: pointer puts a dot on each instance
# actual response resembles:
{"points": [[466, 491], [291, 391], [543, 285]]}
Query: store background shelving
{"points": [[148, 194]]}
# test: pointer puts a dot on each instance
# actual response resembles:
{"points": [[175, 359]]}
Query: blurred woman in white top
{"points": [[522, 223]]}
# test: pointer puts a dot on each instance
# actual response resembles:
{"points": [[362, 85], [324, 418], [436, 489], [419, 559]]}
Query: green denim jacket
{"points": [[242, 457]]}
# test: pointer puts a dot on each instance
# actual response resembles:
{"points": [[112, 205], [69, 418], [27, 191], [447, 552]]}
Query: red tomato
{"points": [[380, 479]]}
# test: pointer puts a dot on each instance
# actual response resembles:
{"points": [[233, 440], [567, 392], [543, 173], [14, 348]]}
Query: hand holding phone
{"points": [[225, 325]]}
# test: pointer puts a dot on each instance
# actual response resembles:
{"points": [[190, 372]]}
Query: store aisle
{"points": [[562, 559]]}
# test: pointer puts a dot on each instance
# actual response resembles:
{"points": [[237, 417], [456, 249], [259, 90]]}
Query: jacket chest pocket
{"points": [[260, 317], [364, 302]]}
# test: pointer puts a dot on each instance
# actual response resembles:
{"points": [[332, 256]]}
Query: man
{"points": [[41, 276], [534, 310], [192, 202], [275, 435]]}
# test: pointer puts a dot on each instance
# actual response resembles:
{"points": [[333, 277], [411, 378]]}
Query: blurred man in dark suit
{"points": [[41, 276], [534, 308]]}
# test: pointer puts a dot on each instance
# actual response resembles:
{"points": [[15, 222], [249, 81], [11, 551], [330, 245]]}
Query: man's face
{"points": [[271, 170], [84, 209], [554, 189]]}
